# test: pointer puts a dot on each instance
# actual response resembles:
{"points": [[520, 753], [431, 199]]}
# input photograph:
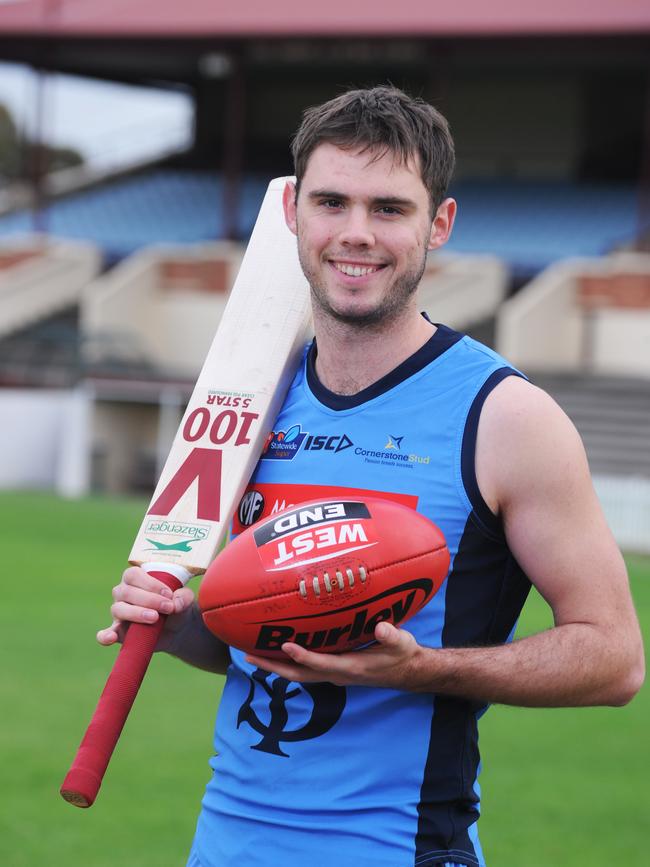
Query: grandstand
{"points": [[528, 225], [549, 111]]}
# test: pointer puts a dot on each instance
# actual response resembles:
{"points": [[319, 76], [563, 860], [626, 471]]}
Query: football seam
{"points": [[292, 592]]}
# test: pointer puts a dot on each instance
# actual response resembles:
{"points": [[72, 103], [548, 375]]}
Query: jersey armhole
{"points": [[486, 517]]}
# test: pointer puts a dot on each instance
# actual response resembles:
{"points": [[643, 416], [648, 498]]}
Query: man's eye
{"points": [[331, 203], [389, 210]]}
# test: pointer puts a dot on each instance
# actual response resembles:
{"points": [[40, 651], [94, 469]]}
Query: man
{"points": [[370, 757]]}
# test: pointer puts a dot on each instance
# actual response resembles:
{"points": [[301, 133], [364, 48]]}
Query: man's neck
{"points": [[350, 358]]}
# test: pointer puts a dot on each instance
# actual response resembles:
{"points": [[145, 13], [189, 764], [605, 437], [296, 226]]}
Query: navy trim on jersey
{"points": [[442, 339], [490, 521], [483, 570], [447, 807]]}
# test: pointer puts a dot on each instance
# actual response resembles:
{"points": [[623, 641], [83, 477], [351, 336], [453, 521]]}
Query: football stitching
{"points": [[292, 592]]}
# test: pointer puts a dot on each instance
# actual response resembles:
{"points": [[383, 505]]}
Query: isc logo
{"points": [[319, 541], [328, 444]]}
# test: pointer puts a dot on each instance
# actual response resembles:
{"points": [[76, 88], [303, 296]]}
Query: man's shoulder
{"points": [[523, 433], [517, 407], [481, 351]]}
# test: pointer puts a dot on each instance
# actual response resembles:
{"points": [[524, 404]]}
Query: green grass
{"points": [[61, 559], [568, 786], [561, 787]]}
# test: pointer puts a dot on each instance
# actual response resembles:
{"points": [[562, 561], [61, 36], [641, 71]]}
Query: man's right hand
{"points": [[141, 598]]}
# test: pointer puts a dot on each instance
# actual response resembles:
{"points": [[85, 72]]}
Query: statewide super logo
{"points": [[283, 445], [314, 534]]}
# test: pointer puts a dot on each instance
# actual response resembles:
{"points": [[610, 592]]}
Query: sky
{"points": [[111, 124]]}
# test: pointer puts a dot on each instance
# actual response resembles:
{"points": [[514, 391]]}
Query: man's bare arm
{"points": [[532, 469], [140, 598]]}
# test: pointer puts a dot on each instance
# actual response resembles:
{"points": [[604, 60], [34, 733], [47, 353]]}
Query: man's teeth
{"points": [[355, 270]]}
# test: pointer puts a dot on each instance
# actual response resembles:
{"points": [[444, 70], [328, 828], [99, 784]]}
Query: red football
{"points": [[323, 574]]}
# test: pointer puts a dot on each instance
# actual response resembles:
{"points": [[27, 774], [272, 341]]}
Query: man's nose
{"points": [[357, 230]]}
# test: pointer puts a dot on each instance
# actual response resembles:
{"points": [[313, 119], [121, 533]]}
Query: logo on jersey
{"points": [[278, 497], [275, 725], [392, 455], [336, 443], [283, 445], [250, 508]]}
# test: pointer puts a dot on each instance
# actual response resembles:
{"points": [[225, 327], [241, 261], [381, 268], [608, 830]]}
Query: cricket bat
{"points": [[237, 397]]}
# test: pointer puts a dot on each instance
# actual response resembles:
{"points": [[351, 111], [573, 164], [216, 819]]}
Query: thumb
{"points": [[183, 598], [387, 634]]}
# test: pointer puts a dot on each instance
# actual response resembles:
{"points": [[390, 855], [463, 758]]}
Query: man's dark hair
{"points": [[381, 119]]}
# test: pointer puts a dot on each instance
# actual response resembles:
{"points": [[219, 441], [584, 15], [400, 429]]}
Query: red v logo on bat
{"points": [[203, 465]]}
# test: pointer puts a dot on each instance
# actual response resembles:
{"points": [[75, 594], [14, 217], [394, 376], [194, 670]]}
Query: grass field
{"points": [[560, 787]]}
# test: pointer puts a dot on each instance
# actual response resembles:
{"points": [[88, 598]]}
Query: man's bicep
{"points": [[538, 476]]}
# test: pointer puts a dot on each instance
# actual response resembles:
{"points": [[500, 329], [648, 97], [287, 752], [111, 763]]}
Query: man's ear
{"points": [[443, 223], [289, 206]]}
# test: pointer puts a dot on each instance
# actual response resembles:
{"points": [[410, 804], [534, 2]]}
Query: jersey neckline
{"points": [[440, 341]]}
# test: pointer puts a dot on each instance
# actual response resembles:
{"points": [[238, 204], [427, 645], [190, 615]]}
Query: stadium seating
{"points": [[528, 225]]}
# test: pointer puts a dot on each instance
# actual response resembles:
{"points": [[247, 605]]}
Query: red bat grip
{"points": [[85, 776]]}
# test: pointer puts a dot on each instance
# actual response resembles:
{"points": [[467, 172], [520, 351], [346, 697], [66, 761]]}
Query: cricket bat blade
{"points": [[238, 394]]}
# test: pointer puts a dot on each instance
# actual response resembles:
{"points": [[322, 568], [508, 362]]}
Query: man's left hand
{"points": [[391, 663]]}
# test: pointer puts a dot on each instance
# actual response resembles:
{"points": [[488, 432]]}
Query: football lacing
{"points": [[329, 584]]}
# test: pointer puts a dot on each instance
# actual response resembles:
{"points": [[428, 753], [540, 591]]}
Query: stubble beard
{"points": [[390, 307]]}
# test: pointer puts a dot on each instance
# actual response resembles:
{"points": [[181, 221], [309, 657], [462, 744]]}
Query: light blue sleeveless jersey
{"points": [[327, 776]]}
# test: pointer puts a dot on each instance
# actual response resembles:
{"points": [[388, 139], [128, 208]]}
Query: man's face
{"points": [[364, 227]]}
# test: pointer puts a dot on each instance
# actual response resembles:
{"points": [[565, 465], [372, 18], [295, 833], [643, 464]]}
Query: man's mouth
{"points": [[351, 270]]}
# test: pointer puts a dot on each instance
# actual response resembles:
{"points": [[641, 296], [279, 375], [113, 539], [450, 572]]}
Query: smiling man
{"points": [[370, 758]]}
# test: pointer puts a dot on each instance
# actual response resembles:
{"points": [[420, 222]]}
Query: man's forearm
{"points": [[194, 644], [569, 665]]}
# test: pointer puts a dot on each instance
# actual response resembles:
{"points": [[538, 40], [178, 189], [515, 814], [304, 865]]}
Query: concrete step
{"points": [[612, 416]]}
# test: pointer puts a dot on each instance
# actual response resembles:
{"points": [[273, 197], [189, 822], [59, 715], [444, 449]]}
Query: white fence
{"points": [[463, 291], [44, 440], [546, 327], [626, 503], [47, 282]]}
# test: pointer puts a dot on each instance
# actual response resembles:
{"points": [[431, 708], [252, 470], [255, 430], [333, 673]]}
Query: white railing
{"points": [[626, 503], [544, 327], [462, 291], [172, 324], [43, 284]]}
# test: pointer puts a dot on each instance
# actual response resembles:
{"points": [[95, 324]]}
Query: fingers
{"points": [[386, 663], [286, 669], [306, 666], [141, 598], [110, 635]]}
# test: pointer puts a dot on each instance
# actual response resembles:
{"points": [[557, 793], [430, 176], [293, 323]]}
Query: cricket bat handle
{"points": [[86, 773]]}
